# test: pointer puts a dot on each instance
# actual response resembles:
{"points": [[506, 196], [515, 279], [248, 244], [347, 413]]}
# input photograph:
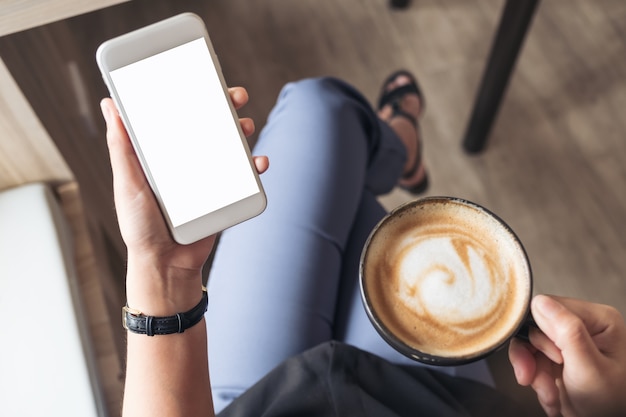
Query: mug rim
{"points": [[403, 347]]}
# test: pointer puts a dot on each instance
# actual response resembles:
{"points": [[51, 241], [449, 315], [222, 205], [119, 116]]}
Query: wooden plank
{"points": [[17, 15], [27, 152]]}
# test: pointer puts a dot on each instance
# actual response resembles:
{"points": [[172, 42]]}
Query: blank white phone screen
{"points": [[181, 120]]}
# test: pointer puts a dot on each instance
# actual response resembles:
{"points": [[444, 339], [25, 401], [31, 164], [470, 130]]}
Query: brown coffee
{"points": [[446, 278]]}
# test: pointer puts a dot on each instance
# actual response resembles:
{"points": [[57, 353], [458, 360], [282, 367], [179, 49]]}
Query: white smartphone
{"points": [[169, 89]]}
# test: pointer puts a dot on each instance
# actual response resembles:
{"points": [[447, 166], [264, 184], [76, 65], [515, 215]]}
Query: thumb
{"points": [[117, 139], [128, 176], [567, 330]]}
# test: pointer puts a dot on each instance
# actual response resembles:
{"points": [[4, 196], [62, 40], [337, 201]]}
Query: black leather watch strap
{"points": [[137, 322]]}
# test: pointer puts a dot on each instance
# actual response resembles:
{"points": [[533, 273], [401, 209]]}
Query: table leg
{"points": [[514, 24]]}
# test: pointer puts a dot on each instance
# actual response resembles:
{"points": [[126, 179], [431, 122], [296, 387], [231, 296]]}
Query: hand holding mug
{"points": [[577, 362]]}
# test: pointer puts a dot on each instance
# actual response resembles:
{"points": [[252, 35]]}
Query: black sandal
{"points": [[393, 98]]}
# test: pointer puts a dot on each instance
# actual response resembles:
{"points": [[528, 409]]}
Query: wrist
{"points": [[140, 323], [159, 290]]}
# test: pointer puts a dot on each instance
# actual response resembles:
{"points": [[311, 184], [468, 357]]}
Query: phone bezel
{"points": [[149, 41]]}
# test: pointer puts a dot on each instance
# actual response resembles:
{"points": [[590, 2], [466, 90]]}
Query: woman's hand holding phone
{"points": [[170, 93], [163, 276]]}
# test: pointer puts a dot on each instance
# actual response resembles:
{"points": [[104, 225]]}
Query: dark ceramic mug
{"points": [[445, 281]]}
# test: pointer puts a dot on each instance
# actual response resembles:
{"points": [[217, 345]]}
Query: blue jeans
{"points": [[288, 280]]}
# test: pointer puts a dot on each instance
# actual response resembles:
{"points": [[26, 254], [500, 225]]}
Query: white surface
{"points": [[44, 370]]}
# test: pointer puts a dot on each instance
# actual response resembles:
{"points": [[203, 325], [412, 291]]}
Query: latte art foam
{"points": [[447, 279]]}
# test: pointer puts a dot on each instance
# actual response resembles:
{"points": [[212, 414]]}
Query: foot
{"points": [[402, 115]]}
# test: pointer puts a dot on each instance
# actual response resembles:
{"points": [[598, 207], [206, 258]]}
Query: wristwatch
{"points": [[135, 321]]}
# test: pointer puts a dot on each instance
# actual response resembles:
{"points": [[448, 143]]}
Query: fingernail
{"points": [[106, 112], [546, 306]]}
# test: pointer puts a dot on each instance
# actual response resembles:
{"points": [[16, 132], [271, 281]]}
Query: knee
{"points": [[314, 86], [328, 93]]}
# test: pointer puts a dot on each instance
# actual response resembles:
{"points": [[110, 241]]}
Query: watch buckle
{"points": [[127, 310]]}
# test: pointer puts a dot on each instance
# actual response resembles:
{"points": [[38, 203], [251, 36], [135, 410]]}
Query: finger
{"points": [[523, 361], [247, 125], [604, 323], [544, 344], [124, 163], [115, 132], [566, 406], [239, 96], [567, 330], [546, 387], [593, 315], [261, 163]]}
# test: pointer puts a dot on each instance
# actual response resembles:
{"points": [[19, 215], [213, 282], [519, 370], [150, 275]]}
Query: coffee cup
{"points": [[445, 281]]}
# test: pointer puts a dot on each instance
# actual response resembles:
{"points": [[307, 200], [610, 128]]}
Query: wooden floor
{"points": [[555, 166]]}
